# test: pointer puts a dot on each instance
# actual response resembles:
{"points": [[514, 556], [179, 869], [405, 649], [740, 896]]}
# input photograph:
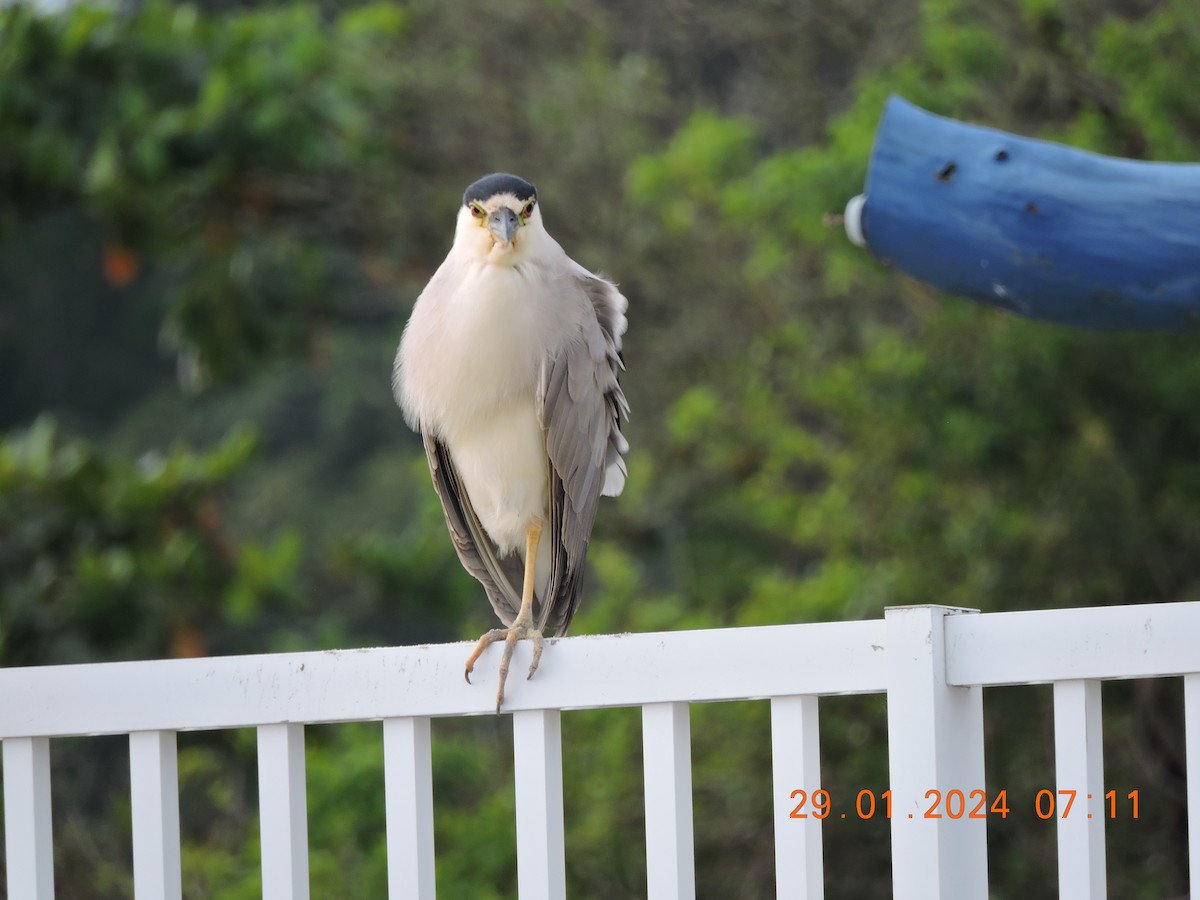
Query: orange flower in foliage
{"points": [[121, 266]]}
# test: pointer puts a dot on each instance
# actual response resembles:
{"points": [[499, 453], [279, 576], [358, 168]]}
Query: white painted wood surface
{"points": [[667, 764], [796, 766], [361, 685], [1191, 709], [283, 812], [1079, 767], [935, 744], [28, 837], [931, 661], [541, 855], [1150, 640], [408, 792], [154, 802]]}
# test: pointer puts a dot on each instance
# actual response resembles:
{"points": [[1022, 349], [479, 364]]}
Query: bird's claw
{"points": [[494, 635], [536, 637], [510, 636], [509, 642]]}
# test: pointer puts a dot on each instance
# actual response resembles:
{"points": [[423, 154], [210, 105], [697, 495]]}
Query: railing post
{"points": [[408, 793], [796, 765], [283, 812], [28, 838], [935, 746], [1079, 768], [667, 761], [1191, 715], [541, 852], [154, 799]]}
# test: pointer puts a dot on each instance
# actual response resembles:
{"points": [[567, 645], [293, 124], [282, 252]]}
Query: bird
{"points": [[509, 367]]}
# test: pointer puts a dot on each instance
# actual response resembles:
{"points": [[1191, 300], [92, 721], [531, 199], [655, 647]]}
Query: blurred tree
{"points": [[220, 153], [101, 559]]}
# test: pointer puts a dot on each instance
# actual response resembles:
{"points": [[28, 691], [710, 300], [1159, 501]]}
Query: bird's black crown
{"points": [[499, 183]]}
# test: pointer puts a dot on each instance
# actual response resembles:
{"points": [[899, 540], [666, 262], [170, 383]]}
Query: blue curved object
{"points": [[1036, 228]]}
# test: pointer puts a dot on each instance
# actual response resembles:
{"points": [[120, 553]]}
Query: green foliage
{"points": [[683, 178], [102, 558], [208, 144], [1158, 62]]}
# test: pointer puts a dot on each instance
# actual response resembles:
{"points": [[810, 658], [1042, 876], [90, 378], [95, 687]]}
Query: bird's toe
{"points": [[536, 638], [510, 636]]}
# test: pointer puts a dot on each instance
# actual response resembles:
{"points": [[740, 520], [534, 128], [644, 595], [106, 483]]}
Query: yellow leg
{"points": [[522, 626], [533, 536]]}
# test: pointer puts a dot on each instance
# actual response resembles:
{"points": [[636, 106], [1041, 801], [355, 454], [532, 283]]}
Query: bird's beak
{"points": [[503, 224]]}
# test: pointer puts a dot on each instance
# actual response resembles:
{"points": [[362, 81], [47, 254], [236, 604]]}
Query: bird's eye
{"points": [[476, 211], [528, 210]]}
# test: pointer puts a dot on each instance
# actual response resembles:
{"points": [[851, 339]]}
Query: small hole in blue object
{"points": [[1001, 155]]}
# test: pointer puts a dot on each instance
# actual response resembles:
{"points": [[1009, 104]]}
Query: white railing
{"points": [[932, 662]]}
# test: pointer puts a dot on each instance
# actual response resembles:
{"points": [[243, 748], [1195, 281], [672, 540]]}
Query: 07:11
{"points": [[1111, 797]]}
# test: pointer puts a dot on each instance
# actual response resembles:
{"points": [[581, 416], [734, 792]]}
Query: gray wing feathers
{"points": [[581, 402], [501, 578], [610, 308]]}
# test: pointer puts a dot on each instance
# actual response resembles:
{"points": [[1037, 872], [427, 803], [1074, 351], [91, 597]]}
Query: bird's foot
{"points": [[516, 632]]}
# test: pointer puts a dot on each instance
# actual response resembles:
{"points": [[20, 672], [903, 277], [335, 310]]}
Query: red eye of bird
{"points": [[528, 210], [476, 211]]}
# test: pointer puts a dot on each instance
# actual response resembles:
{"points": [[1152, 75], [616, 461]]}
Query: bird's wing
{"points": [[501, 578], [580, 403]]}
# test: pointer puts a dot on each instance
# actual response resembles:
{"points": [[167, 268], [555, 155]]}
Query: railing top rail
{"points": [[360, 685], [588, 672], [1045, 645]]}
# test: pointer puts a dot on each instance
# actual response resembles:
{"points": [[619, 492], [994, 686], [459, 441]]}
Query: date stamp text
{"points": [[957, 804]]}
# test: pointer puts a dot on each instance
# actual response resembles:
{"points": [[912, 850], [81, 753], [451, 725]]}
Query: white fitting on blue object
{"points": [[852, 219]]}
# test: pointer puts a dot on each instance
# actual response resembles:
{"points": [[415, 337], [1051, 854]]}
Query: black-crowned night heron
{"points": [[508, 367]]}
